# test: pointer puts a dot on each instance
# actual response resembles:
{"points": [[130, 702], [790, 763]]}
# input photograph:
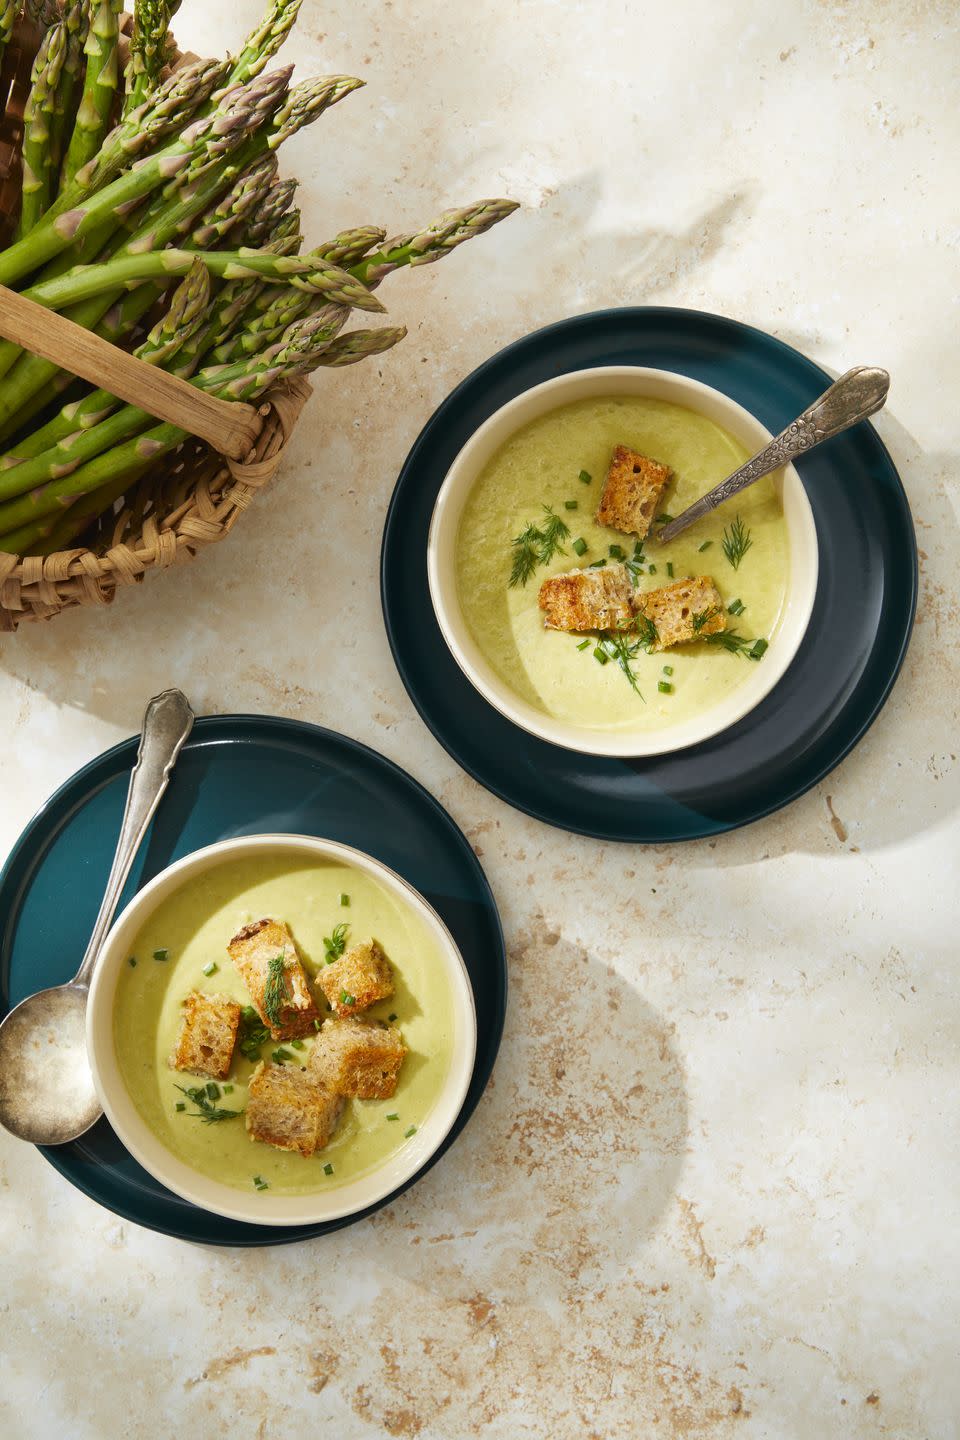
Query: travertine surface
{"points": [[711, 1191]]}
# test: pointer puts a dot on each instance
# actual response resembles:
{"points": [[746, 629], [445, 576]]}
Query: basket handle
{"points": [[230, 426]]}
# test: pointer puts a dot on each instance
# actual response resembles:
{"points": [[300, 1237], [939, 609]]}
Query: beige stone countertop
{"points": [[711, 1190]]}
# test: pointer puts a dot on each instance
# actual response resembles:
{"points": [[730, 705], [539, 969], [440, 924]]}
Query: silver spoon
{"points": [[859, 393], [46, 1089]]}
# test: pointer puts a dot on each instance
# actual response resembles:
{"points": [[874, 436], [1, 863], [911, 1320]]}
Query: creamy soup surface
{"points": [[541, 465], [192, 927]]}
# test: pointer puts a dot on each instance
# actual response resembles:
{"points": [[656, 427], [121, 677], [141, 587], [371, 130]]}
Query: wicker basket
{"points": [[191, 498]]}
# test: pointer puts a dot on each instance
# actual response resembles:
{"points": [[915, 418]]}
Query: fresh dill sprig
{"points": [[552, 535], [275, 991], [736, 542], [646, 631], [209, 1113], [623, 653], [335, 944], [701, 618], [526, 547], [537, 545], [752, 649]]}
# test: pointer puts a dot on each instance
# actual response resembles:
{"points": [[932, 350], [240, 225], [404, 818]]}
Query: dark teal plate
{"points": [[237, 775], [842, 674]]}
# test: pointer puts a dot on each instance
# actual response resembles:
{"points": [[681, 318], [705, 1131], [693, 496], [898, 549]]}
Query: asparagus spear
{"points": [[360, 344], [76, 18], [265, 40], [184, 317], [274, 208], [451, 229], [148, 50], [9, 10], [99, 88], [38, 112]]}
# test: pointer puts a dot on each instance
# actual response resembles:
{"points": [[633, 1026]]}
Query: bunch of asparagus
{"points": [[153, 214]]}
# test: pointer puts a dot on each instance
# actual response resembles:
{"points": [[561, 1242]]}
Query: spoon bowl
{"points": [[47, 1094]]}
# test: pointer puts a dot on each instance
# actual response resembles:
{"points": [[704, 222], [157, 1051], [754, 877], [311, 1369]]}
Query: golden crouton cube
{"points": [[686, 610], [283, 1002], [632, 491], [357, 979], [587, 599], [291, 1108], [358, 1059], [208, 1033]]}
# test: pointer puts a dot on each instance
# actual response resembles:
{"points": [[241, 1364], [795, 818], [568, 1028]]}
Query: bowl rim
{"points": [[229, 1201], [532, 403]]}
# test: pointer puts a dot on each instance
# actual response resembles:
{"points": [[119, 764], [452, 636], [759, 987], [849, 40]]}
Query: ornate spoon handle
{"points": [[857, 394]]}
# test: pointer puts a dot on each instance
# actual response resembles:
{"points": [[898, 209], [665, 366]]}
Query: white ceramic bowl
{"points": [[263, 1208], [441, 556]]}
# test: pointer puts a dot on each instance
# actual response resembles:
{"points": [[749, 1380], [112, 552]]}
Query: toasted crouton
{"points": [[291, 1109], [357, 979], [252, 950], [208, 1033], [587, 599], [686, 610], [358, 1059], [632, 491]]}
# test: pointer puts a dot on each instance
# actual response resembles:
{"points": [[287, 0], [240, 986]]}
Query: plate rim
{"points": [[623, 313], [266, 1235]]}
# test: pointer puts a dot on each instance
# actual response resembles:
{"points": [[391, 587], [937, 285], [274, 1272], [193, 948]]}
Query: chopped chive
{"points": [[251, 1015], [181, 1104], [213, 1090], [211, 969], [296, 1044], [759, 648], [705, 546], [346, 999], [394, 1116], [670, 568], [161, 954], [260, 1183], [652, 570], [280, 1055], [328, 1168], [411, 1131], [317, 1024], [132, 962], [664, 687], [616, 552], [570, 505], [736, 607], [663, 518], [585, 477], [579, 546], [600, 656], [228, 1089], [392, 1017], [344, 899], [668, 669], [583, 644], [597, 564]]}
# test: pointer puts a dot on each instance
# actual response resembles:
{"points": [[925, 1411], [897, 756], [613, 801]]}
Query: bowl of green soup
{"points": [[554, 596], [281, 1029]]}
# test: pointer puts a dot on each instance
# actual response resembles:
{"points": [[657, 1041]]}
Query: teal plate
{"points": [[237, 775], [840, 678]]}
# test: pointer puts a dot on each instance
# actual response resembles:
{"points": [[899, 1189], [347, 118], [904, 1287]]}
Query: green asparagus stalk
{"points": [[99, 88], [43, 13], [360, 345], [9, 9], [451, 229], [298, 353], [275, 206], [148, 50], [175, 329], [265, 40], [182, 320], [58, 532], [76, 18], [38, 159]]}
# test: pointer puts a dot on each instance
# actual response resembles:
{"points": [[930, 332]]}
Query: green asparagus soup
{"points": [[188, 932], [560, 460]]}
